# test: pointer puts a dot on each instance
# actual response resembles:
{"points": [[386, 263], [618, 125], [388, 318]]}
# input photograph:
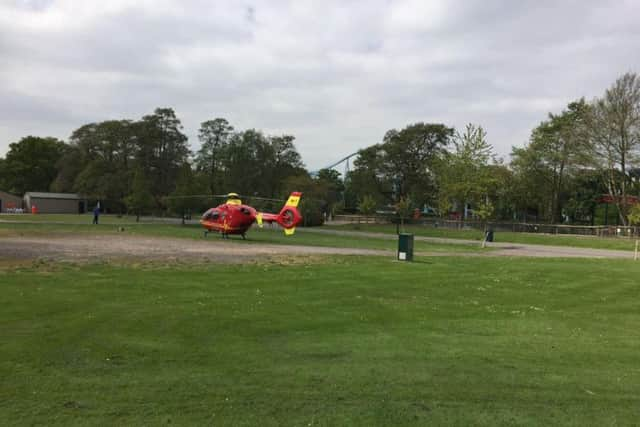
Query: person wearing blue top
{"points": [[96, 214]]}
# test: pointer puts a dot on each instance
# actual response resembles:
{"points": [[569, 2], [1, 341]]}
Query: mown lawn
{"points": [[355, 341], [499, 236], [266, 235]]}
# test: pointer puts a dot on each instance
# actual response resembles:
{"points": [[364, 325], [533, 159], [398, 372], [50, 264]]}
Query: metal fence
{"points": [[516, 227]]}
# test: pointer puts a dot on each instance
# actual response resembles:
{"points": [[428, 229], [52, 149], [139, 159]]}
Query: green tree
{"points": [[367, 206], [403, 209], [557, 150], [410, 156], [214, 137], [584, 189], [614, 133], [464, 175], [561, 148], [634, 215], [30, 164], [162, 150], [140, 200], [259, 165], [3, 183], [286, 161], [68, 167], [484, 210], [244, 171], [312, 202], [368, 178], [185, 198], [100, 161], [403, 165], [335, 187], [501, 192]]}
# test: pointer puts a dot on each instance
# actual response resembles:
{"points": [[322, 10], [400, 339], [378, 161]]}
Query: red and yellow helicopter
{"points": [[234, 217]]}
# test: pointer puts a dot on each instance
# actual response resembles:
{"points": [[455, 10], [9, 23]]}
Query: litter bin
{"points": [[489, 235], [405, 247]]}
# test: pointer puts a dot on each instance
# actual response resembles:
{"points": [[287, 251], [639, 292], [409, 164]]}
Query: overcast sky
{"points": [[337, 75]]}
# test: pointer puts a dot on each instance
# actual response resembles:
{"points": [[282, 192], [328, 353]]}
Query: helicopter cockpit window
{"points": [[211, 215], [245, 211]]}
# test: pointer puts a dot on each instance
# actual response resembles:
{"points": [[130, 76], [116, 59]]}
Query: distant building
{"points": [[55, 202], [9, 202]]}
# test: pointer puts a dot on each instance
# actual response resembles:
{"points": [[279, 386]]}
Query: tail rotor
{"points": [[288, 217]]}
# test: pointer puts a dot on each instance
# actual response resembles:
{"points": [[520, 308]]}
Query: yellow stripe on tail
{"points": [[293, 201], [289, 231]]}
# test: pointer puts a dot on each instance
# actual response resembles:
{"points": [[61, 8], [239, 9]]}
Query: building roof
{"points": [[64, 196], [9, 194]]}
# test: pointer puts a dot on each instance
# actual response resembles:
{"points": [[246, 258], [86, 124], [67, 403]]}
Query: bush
{"points": [[311, 211], [634, 214]]}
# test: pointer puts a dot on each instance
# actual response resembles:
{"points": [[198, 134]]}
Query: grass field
{"points": [[69, 224], [510, 237], [350, 341]]}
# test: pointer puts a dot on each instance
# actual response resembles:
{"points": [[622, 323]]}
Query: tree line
{"points": [[576, 163], [575, 159], [146, 165]]}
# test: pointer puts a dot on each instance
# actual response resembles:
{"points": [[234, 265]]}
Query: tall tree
{"points": [[367, 206], [584, 190], [184, 199], [101, 160], [3, 173], [312, 202], [257, 164], [245, 157], [558, 148], [139, 200], [562, 148], [464, 175], [410, 156], [30, 164], [286, 161], [162, 150], [403, 209], [334, 185], [614, 131], [368, 178], [403, 165], [214, 137]]}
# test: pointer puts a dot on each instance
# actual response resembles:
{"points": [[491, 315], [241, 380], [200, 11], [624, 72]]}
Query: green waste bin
{"points": [[405, 247]]}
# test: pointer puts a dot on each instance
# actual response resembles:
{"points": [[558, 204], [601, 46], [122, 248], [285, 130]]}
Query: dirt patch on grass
{"points": [[75, 248], [126, 249]]}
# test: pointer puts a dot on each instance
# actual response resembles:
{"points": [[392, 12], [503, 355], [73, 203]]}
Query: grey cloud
{"points": [[335, 74]]}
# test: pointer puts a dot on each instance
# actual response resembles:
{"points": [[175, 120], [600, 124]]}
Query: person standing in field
{"points": [[96, 214]]}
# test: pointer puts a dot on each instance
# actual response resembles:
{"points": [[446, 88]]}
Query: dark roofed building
{"points": [[8, 202], [55, 202]]}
